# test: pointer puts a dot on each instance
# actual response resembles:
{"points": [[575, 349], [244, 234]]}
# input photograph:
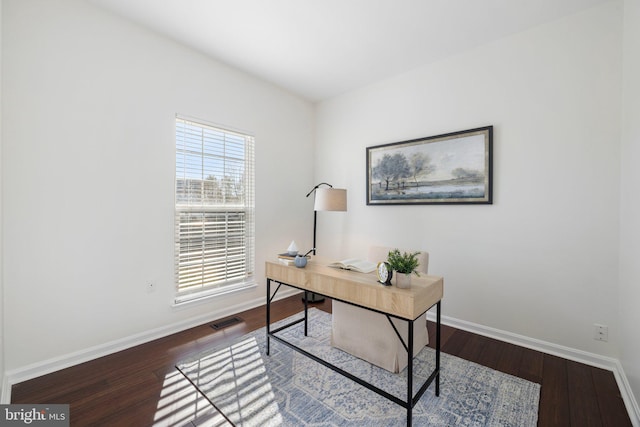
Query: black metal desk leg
{"points": [[268, 311], [410, 375], [438, 348], [306, 309]]}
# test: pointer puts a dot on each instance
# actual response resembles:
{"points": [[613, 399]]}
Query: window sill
{"points": [[205, 296]]}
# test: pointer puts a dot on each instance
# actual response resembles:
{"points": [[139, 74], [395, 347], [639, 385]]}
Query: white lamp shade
{"points": [[330, 199]]}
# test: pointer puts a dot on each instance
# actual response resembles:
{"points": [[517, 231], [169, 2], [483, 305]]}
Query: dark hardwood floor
{"points": [[141, 387]]}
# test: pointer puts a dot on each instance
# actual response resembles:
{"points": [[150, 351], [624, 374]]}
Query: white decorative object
{"points": [[292, 249]]}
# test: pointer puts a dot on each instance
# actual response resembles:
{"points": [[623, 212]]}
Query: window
{"points": [[214, 216]]}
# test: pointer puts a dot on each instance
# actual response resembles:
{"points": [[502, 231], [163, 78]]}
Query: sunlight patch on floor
{"points": [[181, 404], [236, 380]]}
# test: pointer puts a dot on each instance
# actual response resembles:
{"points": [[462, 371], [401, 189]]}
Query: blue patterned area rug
{"points": [[289, 389]]}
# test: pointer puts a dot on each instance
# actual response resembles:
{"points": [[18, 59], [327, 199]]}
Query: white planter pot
{"points": [[403, 281]]}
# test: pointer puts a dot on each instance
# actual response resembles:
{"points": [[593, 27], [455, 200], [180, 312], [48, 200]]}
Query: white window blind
{"points": [[214, 216]]}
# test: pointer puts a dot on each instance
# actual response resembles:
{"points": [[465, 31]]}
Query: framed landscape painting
{"points": [[454, 168]]}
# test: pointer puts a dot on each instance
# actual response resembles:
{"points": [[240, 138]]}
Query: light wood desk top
{"points": [[360, 288]]}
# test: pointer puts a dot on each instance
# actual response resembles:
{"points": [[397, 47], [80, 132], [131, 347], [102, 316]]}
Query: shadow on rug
{"points": [[289, 389]]}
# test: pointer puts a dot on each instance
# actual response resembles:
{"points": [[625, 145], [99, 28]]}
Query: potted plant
{"points": [[404, 264]]}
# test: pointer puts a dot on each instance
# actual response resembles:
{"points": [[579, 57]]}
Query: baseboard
{"points": [[5, 391], [55, 364], [627, 395], [576, 355]]}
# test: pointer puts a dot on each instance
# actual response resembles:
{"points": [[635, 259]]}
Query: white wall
{"points": [[630, 215], [542, 261], [88, 170]]}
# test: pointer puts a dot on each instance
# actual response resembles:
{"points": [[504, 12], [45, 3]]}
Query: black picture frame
{"points": [[452, 168]]}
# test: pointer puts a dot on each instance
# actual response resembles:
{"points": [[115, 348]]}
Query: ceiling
{"points": [[319, 49]]}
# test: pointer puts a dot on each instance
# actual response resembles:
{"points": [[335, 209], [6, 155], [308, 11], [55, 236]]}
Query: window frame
{"points": [[208, 225]]}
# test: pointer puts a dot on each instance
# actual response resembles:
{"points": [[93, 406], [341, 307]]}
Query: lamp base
{"points": [[311, 297]]}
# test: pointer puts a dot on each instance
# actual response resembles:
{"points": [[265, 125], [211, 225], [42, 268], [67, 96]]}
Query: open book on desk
{"points": [[359, 265]]}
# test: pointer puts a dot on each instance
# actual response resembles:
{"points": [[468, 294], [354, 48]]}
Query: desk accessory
{"points": [[385, 273], [292, 250], [404, 264], [300, 261], [355, 264]]}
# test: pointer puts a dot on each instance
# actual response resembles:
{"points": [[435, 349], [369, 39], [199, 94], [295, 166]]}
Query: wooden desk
{"points": [[363, 290]]}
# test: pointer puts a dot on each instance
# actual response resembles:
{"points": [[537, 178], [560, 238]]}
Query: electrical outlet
{"points": [[600, 332]]}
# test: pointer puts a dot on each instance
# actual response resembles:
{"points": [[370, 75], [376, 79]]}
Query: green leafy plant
{"points": [[403, 263]]}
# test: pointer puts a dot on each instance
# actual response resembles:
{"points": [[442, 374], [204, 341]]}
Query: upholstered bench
{"points": [[369, 335]]}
